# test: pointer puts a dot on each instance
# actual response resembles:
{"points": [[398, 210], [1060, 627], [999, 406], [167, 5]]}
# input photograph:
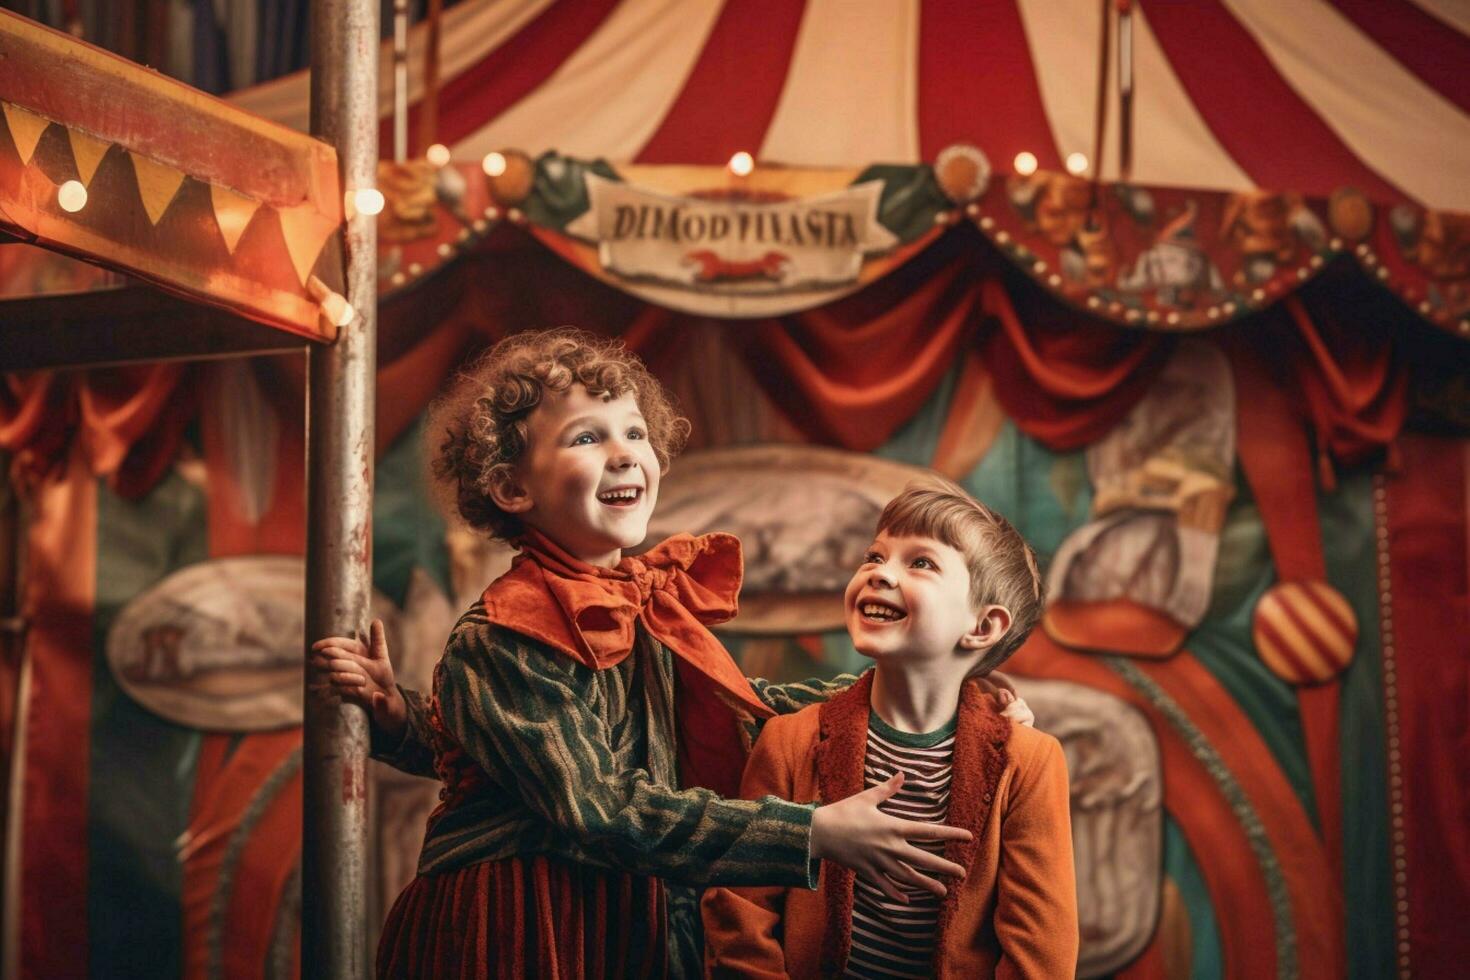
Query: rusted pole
{"points": [[400, 81], [340, 404]]}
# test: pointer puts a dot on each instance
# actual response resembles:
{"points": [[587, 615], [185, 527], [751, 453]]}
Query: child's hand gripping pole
{"points": [[855, 833], [362, 675]]}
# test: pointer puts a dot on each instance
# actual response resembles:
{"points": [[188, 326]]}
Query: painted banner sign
{"points": [[731, 245]]}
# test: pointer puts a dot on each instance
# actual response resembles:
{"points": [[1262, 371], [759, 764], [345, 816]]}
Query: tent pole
{"points": [[340, 408]]}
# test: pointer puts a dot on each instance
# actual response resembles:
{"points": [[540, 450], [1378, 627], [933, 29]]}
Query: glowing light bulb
{"points": [[438, 154], [1076, 164], [741, 164], [341, 312], [368, 200], [1025, 163], [493, 164], [72, 196]]}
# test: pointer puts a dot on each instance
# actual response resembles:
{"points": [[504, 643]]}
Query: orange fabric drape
{"points": [[1272, 441], [854, 371], [33, 414], [1065, 383], [127, 422], [66, 431], [117, 407], [846, 374], [1354, 389], [975, 419], [408, 384], [60, 590], [281, 530], [851, 373], [237, 934]]}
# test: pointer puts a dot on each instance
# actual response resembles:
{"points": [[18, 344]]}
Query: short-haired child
{"points": [[583, 717], [947, 591]]}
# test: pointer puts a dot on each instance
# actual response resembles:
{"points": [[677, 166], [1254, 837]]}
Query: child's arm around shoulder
{"points": [[742, 926], [787, 699], [522, 713], [1036, 901]]}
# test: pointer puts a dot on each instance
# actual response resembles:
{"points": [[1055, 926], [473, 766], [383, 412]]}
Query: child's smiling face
{"points": [[589, 476], [910, 597]]}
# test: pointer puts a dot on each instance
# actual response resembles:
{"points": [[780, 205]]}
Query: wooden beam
{"points": [[166, 183], [118, 102]]}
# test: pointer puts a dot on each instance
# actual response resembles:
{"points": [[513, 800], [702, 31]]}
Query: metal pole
{"points": [[340, 403], [400, 81]]}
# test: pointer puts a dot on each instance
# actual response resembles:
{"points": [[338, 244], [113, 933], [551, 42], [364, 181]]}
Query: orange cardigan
{"points": [[1014, 915]]}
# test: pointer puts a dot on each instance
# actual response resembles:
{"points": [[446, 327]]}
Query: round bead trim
{"points": [[1391, 720]]}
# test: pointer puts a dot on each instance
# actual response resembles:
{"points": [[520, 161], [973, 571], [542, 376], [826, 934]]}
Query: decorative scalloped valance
{"points": [[1149, 257], [1152, 258]]}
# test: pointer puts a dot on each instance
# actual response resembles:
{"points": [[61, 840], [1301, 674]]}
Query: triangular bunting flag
{"points": [[233, 213], [25, 129], [88, 152], [157, 183], [306, 230]]}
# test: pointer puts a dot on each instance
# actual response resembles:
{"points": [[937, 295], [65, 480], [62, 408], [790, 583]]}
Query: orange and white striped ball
{"points": [[1305, 631]]}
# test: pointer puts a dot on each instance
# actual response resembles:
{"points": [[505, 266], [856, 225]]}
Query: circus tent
{"points": [[1227, 94], [1306, 813]]}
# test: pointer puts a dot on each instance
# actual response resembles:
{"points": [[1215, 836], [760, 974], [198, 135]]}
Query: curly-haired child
{"points": [[587, 726]]}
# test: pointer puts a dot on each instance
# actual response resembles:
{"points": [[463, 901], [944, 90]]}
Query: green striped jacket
{"points": [[582, 764]]}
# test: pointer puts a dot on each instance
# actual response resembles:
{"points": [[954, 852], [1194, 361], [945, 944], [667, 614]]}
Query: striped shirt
{"points": [[890, 939]]}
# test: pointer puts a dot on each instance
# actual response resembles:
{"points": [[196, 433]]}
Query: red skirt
{"points": [[526, 917]]}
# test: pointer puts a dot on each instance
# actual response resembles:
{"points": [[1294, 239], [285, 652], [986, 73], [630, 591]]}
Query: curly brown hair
{"points": [[481, 418]]}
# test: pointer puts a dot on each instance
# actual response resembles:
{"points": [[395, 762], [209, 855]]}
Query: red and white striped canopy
{"points": [[1306, 95]]}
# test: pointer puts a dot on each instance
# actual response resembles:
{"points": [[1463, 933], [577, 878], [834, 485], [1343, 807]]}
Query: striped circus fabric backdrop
{"points": [[153, 849], [1310, 95]]}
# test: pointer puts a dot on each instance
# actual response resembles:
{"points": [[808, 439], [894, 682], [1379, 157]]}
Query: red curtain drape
{"points": [[847, 374], [1353, 387], [127, 421], [1065, 381], [852, 372]]}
